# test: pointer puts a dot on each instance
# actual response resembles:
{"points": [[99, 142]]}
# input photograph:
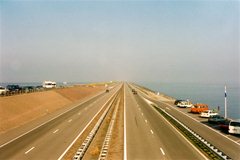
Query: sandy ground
{"points": [[20, 109]]}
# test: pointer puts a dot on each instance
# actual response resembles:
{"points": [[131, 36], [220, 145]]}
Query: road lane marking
{"points": [[162, 151], [70, 120], [142, 114], [61, 157], [56, 131], [29, 150], [79, 113], [168, 108], [75, 106], [124, 119], [145, 120], [151, 131], [200, 122], [179, 133]]}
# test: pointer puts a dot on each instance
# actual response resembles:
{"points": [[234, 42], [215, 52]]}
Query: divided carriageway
{"points": [[115, 125]]}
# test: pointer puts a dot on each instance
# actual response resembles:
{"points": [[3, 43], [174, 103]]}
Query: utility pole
{"points": [[225, 102]]}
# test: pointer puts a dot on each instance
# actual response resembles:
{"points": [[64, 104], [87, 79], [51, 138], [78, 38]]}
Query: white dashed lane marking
{"points": [[56, 131], [151, 131], [29, 150], [145, 120], [70, 120], [162, 151]]}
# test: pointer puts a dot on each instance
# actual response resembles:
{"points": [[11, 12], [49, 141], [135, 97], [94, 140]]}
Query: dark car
{"points": [[14, 88], [178, 101], [28, 88], [134, 91], [224, 126], [216, 119]]}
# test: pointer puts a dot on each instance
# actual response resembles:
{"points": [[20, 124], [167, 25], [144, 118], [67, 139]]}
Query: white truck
{"points": [[49, 84]]}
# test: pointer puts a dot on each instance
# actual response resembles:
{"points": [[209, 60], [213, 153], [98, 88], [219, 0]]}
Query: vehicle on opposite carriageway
{"points": [[234, 127], [184, 104], [49, 84], [208, 113], [3, 90], [14, 88], [217, 119], [198, 108]]}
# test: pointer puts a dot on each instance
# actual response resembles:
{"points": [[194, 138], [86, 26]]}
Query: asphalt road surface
{"points": [[50, 140], [150, 136], [223, 143]]}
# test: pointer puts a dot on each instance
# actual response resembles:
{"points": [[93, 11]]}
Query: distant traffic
{"points": [[13, 89], [214, 118]]}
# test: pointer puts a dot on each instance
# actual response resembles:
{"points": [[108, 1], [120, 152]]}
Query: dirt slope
{"points": [[20, 109]]}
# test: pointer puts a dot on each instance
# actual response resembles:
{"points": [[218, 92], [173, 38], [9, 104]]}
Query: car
{"points": [[208, 113], [198, 108], [134, 91], [28, 88], [177, 101], [107, 90], [234, 127], [3, 90], [216, 119], [224, 126], [14, 88], [184, 104]]}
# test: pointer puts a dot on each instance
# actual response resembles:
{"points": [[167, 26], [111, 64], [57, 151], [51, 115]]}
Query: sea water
{"points": [[211, 94]]}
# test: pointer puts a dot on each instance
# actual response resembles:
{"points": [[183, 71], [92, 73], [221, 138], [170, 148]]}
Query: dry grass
{"points": [[95, 151]]}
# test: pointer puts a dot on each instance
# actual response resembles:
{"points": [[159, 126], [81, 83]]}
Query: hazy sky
{"points": [[160, 41]]}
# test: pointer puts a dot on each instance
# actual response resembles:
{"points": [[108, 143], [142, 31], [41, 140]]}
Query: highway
{"points": [[150, 136], [226, 145], [50, 140], [147, 134]]}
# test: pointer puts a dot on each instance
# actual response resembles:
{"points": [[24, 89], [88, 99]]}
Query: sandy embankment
{"points": [[20, 109]]}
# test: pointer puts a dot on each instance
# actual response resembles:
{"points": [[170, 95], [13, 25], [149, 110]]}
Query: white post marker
{"points": [[225, 102]]}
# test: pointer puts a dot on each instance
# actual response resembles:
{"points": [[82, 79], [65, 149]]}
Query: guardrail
{"points": [[83, 148], [196, 139], [107, 139]]}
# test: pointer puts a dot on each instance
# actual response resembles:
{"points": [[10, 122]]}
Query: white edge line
{"points": [[226, 136], [125, 136], [51, 119], [204, 125], [162, 151], [29, 150], [182, 135], [84, 129]]}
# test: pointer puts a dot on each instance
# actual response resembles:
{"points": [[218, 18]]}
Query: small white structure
{"points": [[49, 84]]}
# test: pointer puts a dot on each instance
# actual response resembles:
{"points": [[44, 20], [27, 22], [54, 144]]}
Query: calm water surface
{"points": [[211, 94]]}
